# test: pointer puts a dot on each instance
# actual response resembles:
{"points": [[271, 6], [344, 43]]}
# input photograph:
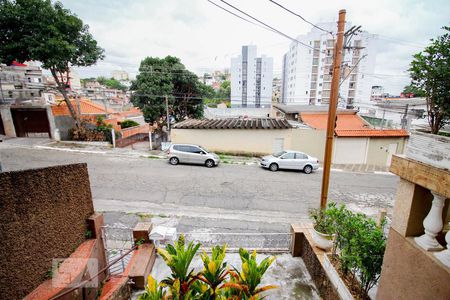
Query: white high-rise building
{"points": [[307, 72], [251, 79]]}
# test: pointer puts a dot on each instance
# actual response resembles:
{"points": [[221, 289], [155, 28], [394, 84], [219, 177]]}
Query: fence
{"points": [[274, 242], [117, 240]]}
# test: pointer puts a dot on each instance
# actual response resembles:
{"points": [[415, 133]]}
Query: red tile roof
{"points": [[373, 133], [344, 121], [349, 125], [87, 107]]}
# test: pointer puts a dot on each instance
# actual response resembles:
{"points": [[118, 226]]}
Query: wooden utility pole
{"points": [[337, 61]]}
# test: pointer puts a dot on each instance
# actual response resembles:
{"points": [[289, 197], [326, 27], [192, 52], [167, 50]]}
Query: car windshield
{"points": [[204, 149], [278, 154]]}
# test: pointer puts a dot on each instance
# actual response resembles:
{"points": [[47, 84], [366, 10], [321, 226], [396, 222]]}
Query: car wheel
{"points": [[307, 169], [273, 167], [174, 161], [209, 163]]}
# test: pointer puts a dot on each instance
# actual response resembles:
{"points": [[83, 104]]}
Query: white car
{"points": [[293, 160]]}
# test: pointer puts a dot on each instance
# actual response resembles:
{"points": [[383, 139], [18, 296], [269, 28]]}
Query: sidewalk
{"points": [[141, 150]]}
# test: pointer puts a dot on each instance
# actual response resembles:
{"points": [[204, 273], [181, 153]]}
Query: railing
{"points": [[268, 242], [117, 241], [433, 225]]}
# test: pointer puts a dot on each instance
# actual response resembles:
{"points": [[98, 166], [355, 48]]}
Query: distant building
{"points": [[20, 82], [120, 75], [276, 90], [307, 72], [377, 93], [251, 79]]}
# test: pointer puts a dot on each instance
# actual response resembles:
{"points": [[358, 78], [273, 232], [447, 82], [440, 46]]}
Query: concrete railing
{"points": [[127, 132]]}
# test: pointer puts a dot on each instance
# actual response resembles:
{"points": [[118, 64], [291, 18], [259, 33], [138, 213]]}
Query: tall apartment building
{"points": [[307, 72], [251, 79]]}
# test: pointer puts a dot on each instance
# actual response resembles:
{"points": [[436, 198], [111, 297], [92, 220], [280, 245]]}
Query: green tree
{"points": [[111, 83], [160, 77], [430, 72], [225, 90], [37, 30], [410, 89]]}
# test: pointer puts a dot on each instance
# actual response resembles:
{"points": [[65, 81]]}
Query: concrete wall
{"points": [[43, 216], [259, 141], [64, 124], [358, 150], [309, 141], [379, 150], [350, 150], [6, 116]]}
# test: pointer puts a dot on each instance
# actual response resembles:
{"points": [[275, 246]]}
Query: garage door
{"points": [[30, 122], [350, 151]]}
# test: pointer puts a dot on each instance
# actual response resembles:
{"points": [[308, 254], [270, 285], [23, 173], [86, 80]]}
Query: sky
{"points": [[205, 37]]}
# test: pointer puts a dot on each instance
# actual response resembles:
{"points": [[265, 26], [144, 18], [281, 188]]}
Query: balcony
{"points": [[416, 264]]}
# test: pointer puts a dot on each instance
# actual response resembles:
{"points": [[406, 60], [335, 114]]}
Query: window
{"points": [[193, 149], [299, 155], [289, 155]]}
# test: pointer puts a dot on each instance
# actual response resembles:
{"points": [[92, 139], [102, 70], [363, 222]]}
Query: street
{"points": [[225, 198]]}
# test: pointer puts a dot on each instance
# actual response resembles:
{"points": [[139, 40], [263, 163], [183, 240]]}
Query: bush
{"points": [[324, 220], [128, 123], [86, 134], [362, 244]]}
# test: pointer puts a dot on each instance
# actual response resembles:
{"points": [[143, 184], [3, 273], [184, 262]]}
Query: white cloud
{"points": [[205, 37]]}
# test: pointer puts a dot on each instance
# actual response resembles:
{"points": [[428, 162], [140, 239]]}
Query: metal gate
{"points": [[31, 122], [117, 240]]}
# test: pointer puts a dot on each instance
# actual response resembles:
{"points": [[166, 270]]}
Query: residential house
{"points": [[356, 141]]}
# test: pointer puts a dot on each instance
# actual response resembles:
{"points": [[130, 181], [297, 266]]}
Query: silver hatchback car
{"points": [[293, 160], [192, 154]]}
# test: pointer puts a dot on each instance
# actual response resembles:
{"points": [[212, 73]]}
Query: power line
{"points": [[267, 27], [298, 15], [236, 15]]}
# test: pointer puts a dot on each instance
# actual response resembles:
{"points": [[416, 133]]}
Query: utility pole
{"points": [[331, 123]]}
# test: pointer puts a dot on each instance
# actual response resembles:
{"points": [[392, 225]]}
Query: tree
{"points": [[225, 90], [161, 77], [410, 89], [430, 72], [111, 83], [37, 30]]}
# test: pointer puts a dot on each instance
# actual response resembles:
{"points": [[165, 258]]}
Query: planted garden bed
{"points": [[358, 249]]}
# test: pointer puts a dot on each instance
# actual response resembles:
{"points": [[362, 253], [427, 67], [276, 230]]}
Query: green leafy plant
{"points": [[324, 219], [362, 244], [153, 291], [178, 258], [88, 234], [128, 123], [215, 270], [245, 284]]}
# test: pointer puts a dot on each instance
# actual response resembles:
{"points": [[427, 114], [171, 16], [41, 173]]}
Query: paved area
{"points": [[194, 198]]}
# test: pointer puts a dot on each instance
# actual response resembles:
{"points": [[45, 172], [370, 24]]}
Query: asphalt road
{"points": [[195, 198]]}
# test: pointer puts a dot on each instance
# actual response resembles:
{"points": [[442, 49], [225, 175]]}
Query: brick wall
{"points": [[43, 216]]}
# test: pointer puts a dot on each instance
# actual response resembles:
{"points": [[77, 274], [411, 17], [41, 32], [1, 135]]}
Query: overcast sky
{"points": [[206, 37]]}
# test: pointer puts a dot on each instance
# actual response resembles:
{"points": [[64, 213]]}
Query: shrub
{"points": [[324, 220], [362, 244], [128, 123]]}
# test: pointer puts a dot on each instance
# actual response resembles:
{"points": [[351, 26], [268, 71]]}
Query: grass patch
{"points": [[153, 157], [144, 217]]}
